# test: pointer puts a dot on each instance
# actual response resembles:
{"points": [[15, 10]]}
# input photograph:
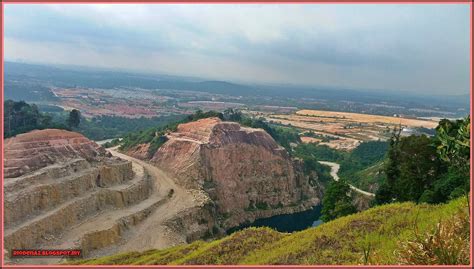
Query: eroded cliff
{"points": [[63, 191], [243, 170]]}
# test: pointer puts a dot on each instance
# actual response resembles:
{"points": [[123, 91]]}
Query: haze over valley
{"points": [[237, 134]]}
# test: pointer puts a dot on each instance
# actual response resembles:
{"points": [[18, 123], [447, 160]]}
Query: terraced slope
{"points": [[381, 230], [78, 196]]}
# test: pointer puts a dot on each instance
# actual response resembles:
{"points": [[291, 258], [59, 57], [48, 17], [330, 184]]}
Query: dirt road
{"points": [[152, 233], [335, 169]]}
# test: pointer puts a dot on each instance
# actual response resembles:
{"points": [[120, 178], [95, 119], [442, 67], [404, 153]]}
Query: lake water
{"points": [[287, 222]]}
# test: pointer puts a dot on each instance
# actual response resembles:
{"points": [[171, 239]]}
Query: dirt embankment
{"points": [[243, 171]]}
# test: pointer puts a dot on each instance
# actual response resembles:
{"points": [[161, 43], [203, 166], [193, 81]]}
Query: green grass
{"points": [[367, 179], [342, 241]]}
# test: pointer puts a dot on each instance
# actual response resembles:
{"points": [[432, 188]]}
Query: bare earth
{"points": [[346, 130], [358, 117], [152, 233]]}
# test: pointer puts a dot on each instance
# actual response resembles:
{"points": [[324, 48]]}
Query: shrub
{"points": [[447, 244], [170, 193]]}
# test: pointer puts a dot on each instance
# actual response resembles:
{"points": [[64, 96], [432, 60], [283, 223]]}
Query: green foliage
{"points": [[320, 152], [20, 117], [74, 118], [368, 179], [363, 156], [336, 201], [412, 165], [447, 244], [360, 167], [453, 142], [311, 155], [282, 135], [113, 143], [369, 237], [430, 170], [324, 138], [155, 144], [261, 205], [105, 127]]}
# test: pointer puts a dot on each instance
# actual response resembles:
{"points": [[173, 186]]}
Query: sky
{"points": [[418, 48]]}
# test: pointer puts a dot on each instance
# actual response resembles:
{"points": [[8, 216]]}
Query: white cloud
{"points": [[421, 47]]}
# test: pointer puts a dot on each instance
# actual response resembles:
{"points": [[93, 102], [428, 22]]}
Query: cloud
{"points": [[415, 47]]}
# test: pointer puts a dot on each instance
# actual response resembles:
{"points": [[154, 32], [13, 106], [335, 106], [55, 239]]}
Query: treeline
{"points": [[363, 156], [105, 127], [310, 155], [428, 169], [21, 117]]}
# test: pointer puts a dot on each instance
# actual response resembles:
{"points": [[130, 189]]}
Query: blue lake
{"points": [[287, 222]]}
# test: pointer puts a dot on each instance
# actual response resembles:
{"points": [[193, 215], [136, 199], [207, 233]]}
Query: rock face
{"points": [[28, 152], [63, 191], [243, 170]]}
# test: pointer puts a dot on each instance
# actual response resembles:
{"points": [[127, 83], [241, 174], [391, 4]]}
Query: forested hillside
{"points": [[428, 169]]}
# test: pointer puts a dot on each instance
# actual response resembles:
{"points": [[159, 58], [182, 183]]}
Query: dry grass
{"points": [[447, 244], [369, 118], [369, 237], [307, 139], [349, 128]]}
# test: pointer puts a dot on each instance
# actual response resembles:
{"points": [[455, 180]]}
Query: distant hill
{"points": [[218, 87], [381, 235], [67, 76]]}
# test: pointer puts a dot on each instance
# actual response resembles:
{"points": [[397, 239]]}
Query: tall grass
{"points": [[400, 233]]}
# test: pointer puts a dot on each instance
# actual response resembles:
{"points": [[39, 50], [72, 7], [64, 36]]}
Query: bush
{"points": [[261, 205], [448, 244], [336, 202]]}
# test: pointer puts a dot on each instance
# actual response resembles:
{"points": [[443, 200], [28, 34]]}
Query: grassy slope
{"points": [[369, 178], [341, 241]]}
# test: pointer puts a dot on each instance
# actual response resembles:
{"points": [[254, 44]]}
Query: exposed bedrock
{"points": [[65, 191], [243, 170]]}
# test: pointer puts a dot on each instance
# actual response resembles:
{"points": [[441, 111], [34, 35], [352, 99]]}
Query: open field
{"points": [[365, 118], [342, 130]]}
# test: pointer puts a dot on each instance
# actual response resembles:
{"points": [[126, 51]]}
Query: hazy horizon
{"points": [[421, 48]]}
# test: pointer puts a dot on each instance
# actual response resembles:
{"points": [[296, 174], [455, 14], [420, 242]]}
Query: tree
{"points": [[74, 118], [431, 170], [232, 115], [453, 142], [412, 168], [336, 201], [21, 117]]}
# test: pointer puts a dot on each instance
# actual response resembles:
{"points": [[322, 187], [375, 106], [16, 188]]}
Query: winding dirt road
{"points": [[335, 169], [153, 233]]}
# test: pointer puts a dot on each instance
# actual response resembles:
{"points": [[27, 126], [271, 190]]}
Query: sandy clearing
{"points": [[370, 118]]}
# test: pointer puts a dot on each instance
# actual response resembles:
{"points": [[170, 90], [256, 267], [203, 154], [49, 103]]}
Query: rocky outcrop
{"points": [[198, 222], [140, 151], [64, 191], [31, 151], [243, 170]]}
